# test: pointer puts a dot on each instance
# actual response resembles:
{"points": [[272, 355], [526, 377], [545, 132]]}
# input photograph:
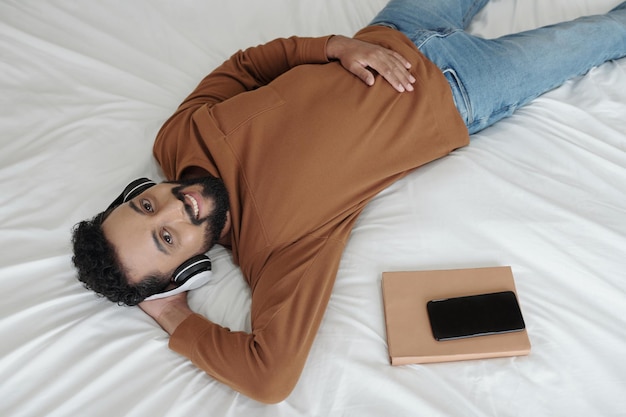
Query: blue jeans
{"points": [[490, 78]]}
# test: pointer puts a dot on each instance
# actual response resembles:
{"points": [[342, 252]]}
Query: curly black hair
{"points": [[99, 268]]}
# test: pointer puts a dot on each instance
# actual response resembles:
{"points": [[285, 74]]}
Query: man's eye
{"points": [[146, 205], [167, 238]]}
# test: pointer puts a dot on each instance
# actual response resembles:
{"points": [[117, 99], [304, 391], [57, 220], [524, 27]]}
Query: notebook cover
{"points": [[409, 336]]}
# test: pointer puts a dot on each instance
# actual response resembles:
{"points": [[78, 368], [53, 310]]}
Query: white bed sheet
{"points": [[84, 87]]}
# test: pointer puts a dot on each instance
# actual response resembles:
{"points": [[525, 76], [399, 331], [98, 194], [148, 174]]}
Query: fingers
{"points": [[363, 59], [394, 68], [364, 74]]}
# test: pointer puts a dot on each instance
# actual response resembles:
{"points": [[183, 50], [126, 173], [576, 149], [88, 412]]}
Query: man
{"points": [[278, 150]]}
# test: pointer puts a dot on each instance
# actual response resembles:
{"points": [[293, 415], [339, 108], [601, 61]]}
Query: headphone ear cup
{"points": [[193, 274], [193, 266]]}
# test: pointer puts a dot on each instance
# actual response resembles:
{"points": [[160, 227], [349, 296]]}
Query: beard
{"points": [[213, 189]]}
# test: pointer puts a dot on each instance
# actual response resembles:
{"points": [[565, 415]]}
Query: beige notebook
{"points": [[409, 335]]}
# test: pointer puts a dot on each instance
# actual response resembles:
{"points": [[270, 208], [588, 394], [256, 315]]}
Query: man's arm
{"points": [[288, 303], [257, 66]]}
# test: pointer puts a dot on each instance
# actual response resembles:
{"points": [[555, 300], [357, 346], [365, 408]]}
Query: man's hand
{"points": [[168, 312], [360, 58]]}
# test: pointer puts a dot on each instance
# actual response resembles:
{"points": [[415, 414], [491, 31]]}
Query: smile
{"points": [[194, 205]]}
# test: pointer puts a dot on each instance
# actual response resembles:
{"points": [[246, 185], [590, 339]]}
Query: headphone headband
{"points": [[136, 188], [131, 191]]}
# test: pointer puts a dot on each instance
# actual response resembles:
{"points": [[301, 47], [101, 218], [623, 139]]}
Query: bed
{"points": [[84, 87]]}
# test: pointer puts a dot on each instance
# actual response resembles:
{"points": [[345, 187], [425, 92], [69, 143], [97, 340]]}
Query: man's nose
{"points": [[174, 211]]}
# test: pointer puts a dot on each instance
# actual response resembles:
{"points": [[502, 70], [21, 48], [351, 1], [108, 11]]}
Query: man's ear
{"points": [[227, 226]]}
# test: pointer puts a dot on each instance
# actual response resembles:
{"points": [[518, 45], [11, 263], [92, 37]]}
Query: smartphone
{"points": [[475, 315]]}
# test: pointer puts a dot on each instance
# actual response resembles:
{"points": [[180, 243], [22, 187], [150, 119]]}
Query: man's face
{"points": [[161, 228]]}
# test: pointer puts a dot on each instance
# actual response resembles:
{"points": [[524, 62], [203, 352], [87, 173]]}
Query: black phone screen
{"points": [[475, 315]]}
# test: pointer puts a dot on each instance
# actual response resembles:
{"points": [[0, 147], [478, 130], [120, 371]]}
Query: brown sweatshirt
{"points": [[302, 145]]}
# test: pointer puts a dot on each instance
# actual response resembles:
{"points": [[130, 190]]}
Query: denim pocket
{"points": [[460, 96]]}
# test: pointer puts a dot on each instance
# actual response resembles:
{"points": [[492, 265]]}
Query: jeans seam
{"points": [[437, 33]]}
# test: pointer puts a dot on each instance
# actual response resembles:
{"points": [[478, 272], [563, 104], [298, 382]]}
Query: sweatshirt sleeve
{"points": [[288, 303], [256, 66]]}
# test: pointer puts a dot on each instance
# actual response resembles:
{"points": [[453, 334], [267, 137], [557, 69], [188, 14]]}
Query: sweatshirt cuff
{"points": [[314, 50], [186, 335]]}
